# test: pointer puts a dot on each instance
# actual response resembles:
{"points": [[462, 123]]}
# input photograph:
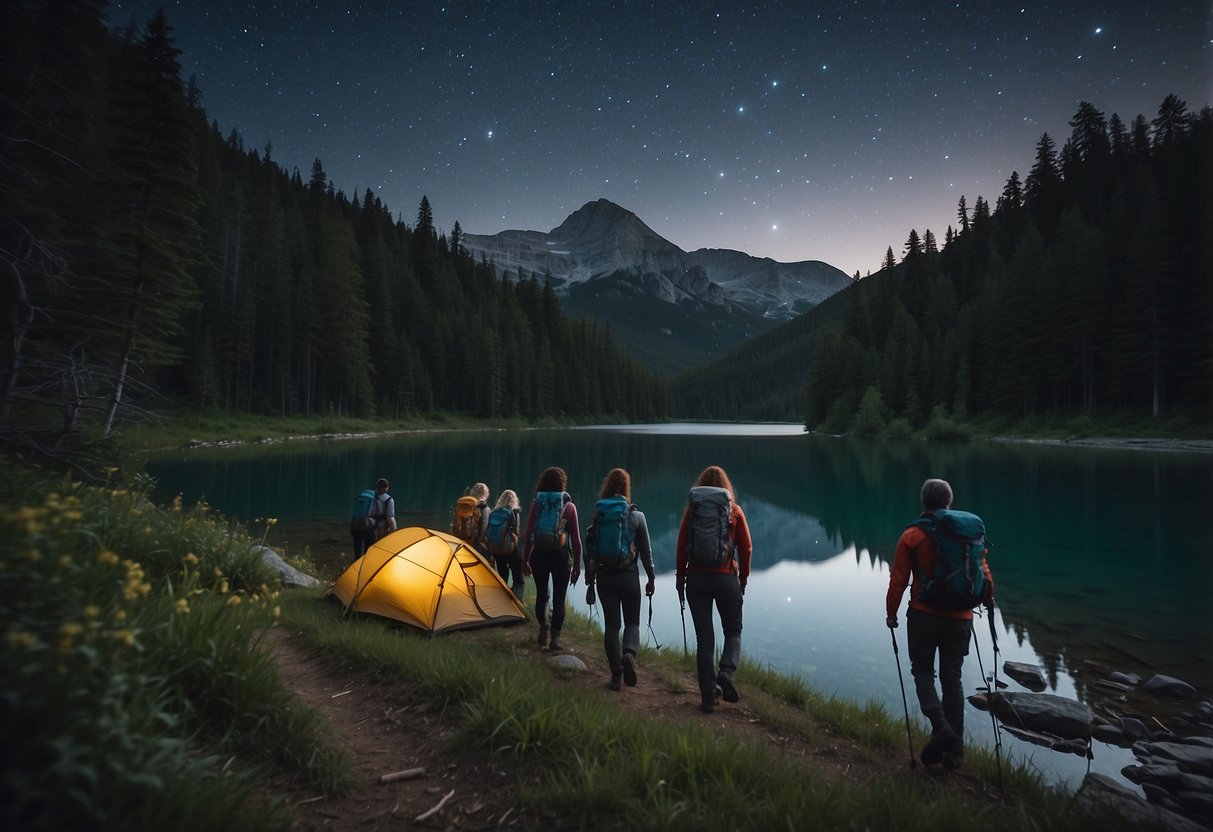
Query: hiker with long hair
{"points": [[713, 566], [616, 542], [504, 542], [552, 551], [932, 629]]}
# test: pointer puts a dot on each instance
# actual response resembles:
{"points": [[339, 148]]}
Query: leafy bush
{"points": [[943, 428], [129, 661]]}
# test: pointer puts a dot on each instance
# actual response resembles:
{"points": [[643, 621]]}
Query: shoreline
{"points": [[1172, 445]]}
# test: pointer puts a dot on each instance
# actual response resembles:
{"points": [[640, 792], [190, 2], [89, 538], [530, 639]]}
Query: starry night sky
{"points": [[792, 130]]}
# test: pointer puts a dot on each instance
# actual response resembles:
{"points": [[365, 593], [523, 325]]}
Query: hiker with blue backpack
{"points": [[616, 542], [503, 541], [943, 554], [713, 566], [552, 551], [373, 517]]}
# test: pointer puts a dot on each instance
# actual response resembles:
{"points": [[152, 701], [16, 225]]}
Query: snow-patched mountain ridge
{"points": [[602, 238]]}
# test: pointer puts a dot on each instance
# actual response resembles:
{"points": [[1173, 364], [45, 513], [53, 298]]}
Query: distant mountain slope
{"points": [[670, 309]]}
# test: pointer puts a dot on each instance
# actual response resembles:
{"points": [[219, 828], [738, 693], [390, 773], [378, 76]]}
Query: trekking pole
{"points": [[904, 705], [991, 689], [683, 607], [657, 645]]}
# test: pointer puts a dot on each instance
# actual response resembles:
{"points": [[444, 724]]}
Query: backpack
{"points": [[501, 535], [709, 526], [361, 517], [957, 581], [609, 538], [550, 532], [466, 524]]}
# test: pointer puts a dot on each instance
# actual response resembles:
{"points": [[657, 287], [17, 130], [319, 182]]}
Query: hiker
{"points": [[551, 532], [472, 517], [504, 543], [362, 522], [384, 510], [616, 541], [713, 565], [933, 628]]}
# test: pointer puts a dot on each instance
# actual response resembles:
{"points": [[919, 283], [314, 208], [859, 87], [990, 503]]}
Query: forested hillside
{"points": [[150, 261], [1087, 291]]}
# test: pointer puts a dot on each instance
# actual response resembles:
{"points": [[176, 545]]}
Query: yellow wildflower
{"points": [[233, 601], [120, 615], [20, 640], [191, 559], [106, 558], [277, 613], [271, 521], [224, 586], [91, 611], [183, 606], [127, 637], [64, 561]]}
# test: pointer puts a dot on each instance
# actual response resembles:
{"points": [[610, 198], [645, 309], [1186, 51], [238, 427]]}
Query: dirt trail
{"points": [[387, 726]]}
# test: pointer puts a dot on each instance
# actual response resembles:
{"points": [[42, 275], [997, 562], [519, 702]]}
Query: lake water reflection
{"points": [[1101, 557]]}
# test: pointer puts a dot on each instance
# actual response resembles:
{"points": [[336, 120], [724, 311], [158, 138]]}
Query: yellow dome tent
{"points": [[429, 580]]}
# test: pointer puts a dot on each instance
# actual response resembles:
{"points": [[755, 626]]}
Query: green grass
{"points": [[591, 764], [130, 691]]}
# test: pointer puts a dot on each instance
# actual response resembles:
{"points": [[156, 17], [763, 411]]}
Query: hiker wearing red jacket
{"points": [[930, 629]]}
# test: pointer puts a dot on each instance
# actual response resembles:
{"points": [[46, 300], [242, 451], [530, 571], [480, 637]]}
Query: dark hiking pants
{"points": [[926, 634]]}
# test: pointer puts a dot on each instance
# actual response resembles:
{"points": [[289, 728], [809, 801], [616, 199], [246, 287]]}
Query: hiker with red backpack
{"points": [[943, 554], [615, 543], [552, 551], [713, 565]]}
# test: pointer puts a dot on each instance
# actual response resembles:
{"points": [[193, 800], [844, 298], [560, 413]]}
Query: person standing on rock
{"points": [[932, 629], [617, 542]]}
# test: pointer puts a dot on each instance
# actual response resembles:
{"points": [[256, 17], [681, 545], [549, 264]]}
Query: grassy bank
{"points": [[135, 694], [592, 764], [131, 693]]}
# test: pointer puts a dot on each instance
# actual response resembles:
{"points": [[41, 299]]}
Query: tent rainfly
{"points": [[429, 580]]}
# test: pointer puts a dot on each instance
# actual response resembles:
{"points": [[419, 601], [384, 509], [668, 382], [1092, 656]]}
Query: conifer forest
{"points": [[149, 261]]}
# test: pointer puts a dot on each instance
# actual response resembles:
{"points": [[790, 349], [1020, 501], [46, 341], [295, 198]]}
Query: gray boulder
{"points": [[568, 660], [1194, 759], [1049, 741], [1130, 679], [1112, 735], [1169, 686], [1169, 777], [1101, 795], [1028, 675], [290, 575], [1044, 713]]}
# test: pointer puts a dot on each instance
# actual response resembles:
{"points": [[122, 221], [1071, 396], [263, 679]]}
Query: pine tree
{"points": [[149, 240]]}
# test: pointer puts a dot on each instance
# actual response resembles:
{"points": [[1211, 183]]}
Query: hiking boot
{"points": [[944, 739], [629, 669], [616, 679], [707, 706], [543, 637], [953, 759], [554, 645], [724, 685], [717, 694]]}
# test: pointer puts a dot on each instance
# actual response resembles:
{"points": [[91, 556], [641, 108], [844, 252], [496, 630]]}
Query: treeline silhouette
{"points": [[145, 254], [1086, 292]]}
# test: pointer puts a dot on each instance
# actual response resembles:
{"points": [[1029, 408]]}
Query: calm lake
{"points": [[1102, 558]]}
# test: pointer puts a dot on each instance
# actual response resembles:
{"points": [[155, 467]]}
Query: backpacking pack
{"points": [[957, 581], [361, 516], [466, 524], [550, 532], [501, 534], [710, 526], [609, 537]]}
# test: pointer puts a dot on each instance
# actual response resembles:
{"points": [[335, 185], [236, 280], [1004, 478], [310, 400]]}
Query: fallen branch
{"points": [[406, 774], [436, 809]]}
